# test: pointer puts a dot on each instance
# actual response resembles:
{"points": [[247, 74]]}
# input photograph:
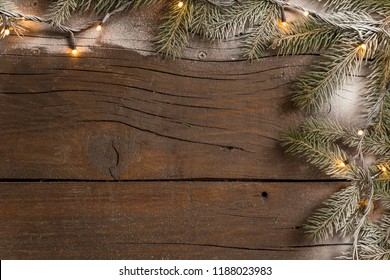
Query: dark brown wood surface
{"points": [[119, 153], [161, 220], [135, 117]]}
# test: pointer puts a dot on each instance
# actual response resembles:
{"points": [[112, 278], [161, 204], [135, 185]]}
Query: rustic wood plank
{"points": [[115, 114], [118, 115], [161, 220]]}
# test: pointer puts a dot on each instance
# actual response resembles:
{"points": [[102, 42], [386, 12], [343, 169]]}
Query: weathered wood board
{"points": [[161, 220], [134, 117], [119, 153]]}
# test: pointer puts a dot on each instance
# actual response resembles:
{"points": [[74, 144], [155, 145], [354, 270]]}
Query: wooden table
{"points": [[121, 154]]}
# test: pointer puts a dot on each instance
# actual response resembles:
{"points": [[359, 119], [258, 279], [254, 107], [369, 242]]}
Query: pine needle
{"points": [[340, 63], [173, 34], [337, 214]]}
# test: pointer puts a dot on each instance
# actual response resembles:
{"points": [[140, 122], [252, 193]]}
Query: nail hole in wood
{"points": [[264, 194], [202, 55]]}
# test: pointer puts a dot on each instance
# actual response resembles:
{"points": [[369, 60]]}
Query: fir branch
{"points": [[378, 90], [326, 156], [376, 143], [238, 17], [61, 10], [205, 15], [382, 7], [337, 216], [306, 37], [261, 36], [329, 75], [373, 242], [173, 34], [322, 130], [382, 192]]}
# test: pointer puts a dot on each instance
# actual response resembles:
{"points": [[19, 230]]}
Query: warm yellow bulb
{"points": [[306, 13], [360, 132], [384, 169], [180, 4], [74, 51], [363, 46], [7, 32], [342, 164], [99, 27]]}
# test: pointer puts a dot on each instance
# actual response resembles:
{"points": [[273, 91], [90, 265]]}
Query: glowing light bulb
{"points": [[74, 51], [180, 4], [99, 27], [342, 164], [283, 24], [7, 32], [360, 132], [363, 46], [306, 13], [383, 169]]}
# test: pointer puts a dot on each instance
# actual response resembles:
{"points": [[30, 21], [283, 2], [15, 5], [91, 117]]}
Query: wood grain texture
{"points": [[186, 147], [166, 220], [122, 116]]}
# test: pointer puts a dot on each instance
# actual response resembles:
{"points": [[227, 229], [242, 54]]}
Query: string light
{"points": [[7, 32], [99, 27], [342, 164], [180, 4], [306, 13], [360, 132], [283, 21], [75, 51], [362, 50], [382, 169]]}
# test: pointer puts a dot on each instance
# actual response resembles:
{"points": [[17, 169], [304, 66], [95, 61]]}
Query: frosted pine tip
{"points": [[7, 32], [99, 27], [306, 13], [180, 4], [360, 132]]}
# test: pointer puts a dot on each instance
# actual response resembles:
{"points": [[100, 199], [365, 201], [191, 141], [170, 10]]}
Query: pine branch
{"points": [[378, 93], [382, 7], [205, 15], [326, 156], [261, 36], [173, 34], [329, 75], [61, 10], [313, 33], [337, 216], [322, 130], [374, 240], [382, 192], [237, 18], [376, 143]]}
